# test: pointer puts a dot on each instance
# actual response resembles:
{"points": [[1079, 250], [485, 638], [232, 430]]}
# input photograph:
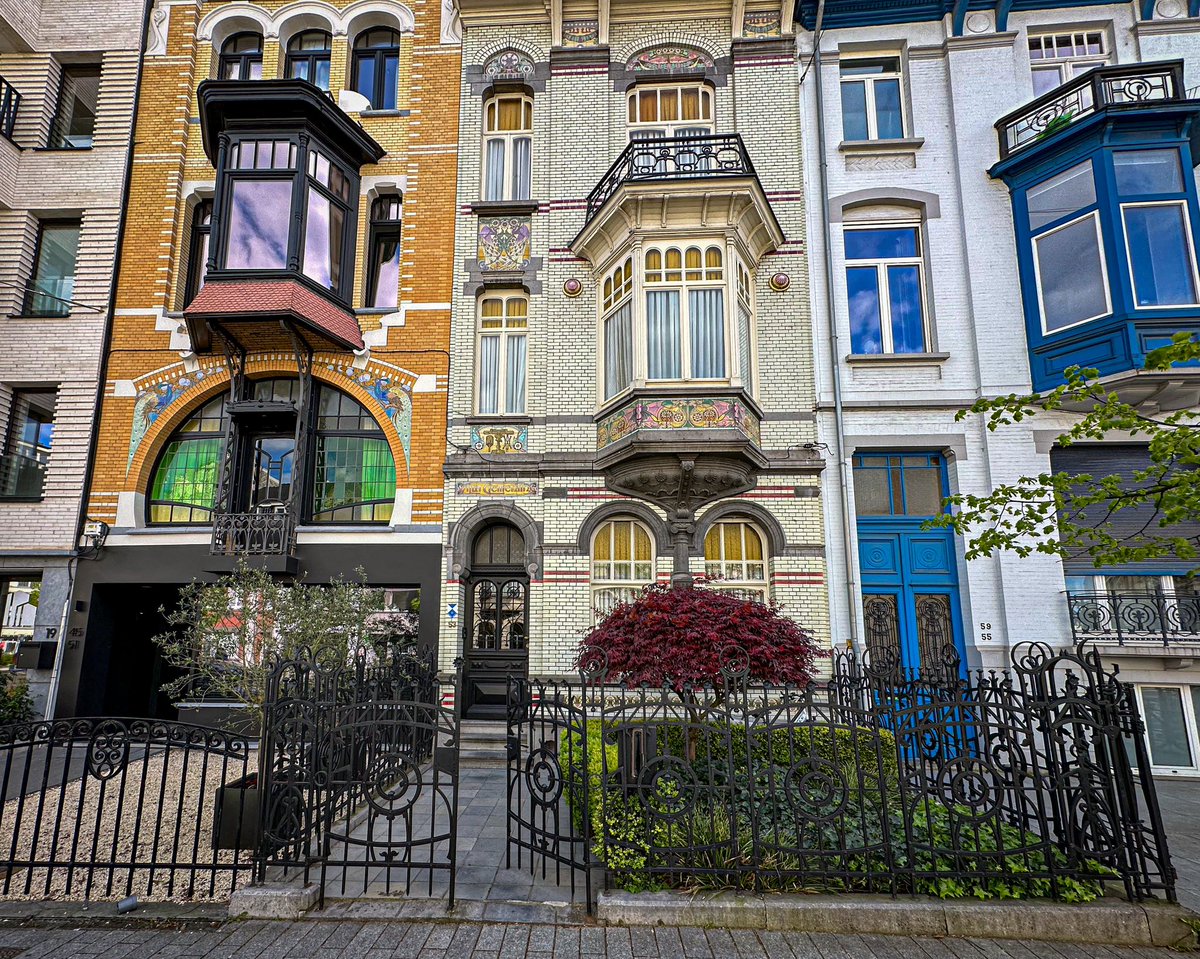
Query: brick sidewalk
{"points": [[421, 940]]}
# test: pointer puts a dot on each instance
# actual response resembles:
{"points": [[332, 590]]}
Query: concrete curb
{"points": [[271, 901], [1117, 923]]}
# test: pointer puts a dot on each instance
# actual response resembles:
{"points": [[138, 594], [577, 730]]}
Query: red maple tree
{"points": [[681, 636]]}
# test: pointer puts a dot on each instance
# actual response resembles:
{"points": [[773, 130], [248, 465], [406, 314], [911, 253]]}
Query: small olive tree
{"points": [[225, 637]]}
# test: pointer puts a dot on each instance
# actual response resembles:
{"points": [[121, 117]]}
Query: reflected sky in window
{"points": [[258, 225]]}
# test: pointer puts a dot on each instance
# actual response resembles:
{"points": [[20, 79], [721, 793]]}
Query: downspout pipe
{"points": [[89, 469], [849, 571]]}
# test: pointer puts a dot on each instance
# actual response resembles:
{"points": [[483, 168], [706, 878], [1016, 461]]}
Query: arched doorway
{"points": [[497, 619]]}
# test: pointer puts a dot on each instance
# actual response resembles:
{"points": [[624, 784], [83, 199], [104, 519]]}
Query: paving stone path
{"points": [[424, 940]]}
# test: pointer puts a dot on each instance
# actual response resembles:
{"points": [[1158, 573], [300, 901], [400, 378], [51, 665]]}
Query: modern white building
{"points": [[995, 192]]}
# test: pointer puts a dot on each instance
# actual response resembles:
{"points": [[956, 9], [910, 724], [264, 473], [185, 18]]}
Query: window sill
{"points": [[511, 419], [21, 499], [904, 145], [39, 316], [900, 359], [383, 113], [86, 149], [505, 207]]}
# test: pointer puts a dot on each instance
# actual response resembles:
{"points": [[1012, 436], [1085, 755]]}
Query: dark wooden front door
{"points": [[497, 627]]}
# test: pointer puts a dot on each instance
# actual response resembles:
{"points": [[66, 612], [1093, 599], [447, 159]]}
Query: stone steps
{"points": [[482, 744]]}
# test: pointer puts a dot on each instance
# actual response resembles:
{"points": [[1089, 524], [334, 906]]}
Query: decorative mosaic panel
{"points": [[502, 488], [508, 65], [761, 23], [500, 439], [503, 243], [671, 59], [581, 33], [702, 413]]}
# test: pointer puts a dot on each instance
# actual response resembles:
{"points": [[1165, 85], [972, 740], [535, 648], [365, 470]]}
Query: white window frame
{"points": [[509, 139], [505, 333], [683, 286], [658, 128], [626, 589], [868, 81], [742, 585], [1190, 721], [1065, 66], [615, 295], [881, 277], [1035, 238], [1190, 245]]}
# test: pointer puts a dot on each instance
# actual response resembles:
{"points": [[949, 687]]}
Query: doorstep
{"points": [[1117, 923]]}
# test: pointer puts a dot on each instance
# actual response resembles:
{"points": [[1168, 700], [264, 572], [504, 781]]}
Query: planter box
{"points": [[236, 816], [231, 717]]}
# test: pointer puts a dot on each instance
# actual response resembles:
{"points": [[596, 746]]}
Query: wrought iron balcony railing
{"points": [[1135, 617], [254, 534], [21, 477], [1096, 90], [10, 100], [673, 158]]}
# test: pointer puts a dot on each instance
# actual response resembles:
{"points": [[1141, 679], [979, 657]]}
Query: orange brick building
{"points": [[275, 384]]}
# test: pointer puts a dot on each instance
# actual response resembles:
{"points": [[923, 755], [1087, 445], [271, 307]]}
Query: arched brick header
{"points": [[464, 531], [626, 510]]}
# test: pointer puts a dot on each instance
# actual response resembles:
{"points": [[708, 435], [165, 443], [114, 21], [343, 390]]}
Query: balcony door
{"points": [[497, 620], [273, 460]]}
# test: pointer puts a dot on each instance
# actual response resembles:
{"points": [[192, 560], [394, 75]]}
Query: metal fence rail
{"points": [[877, 780], [117, 807]]}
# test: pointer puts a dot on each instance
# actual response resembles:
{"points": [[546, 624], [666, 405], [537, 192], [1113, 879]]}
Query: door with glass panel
{"points": [[911, 611], [272, 461], [496, 622]]}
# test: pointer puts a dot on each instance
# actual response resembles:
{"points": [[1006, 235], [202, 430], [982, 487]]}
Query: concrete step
{"points": [[470, 757]]}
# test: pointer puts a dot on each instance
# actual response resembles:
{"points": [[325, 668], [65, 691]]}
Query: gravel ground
{"points": [[150, 814]]}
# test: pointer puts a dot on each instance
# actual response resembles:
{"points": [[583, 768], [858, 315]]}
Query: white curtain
{"points": [[706, 309], [745, 370], [515, 394], [489, 374], [662, 335], [618, 351], [493, 185], [521, 168]]}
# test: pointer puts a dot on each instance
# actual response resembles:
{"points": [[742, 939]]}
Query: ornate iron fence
{"points": [[1029, 782], [360, 776], [1125, 86], [1135, 617], [118, 807], [671, 158]]}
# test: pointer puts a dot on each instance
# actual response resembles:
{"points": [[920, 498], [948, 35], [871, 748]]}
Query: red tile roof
{"points": [[232, 302]]}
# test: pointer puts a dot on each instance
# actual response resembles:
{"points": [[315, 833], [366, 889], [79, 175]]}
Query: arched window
{"points": [[383, 278], [352, 477], [622, 564], [185, 480], [507, 147], [242, 57], [499, 545], [198, 249], [734, 555], [308, 57], [376, 66]]}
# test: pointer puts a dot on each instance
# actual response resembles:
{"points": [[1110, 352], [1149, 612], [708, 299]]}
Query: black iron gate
{"points": [[361, 777], [549, 774]]}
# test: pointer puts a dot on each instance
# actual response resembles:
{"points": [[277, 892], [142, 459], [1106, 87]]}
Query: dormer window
{"points": [[308, 56], [242, 57]]}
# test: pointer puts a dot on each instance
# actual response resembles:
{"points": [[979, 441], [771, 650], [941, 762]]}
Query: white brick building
{"points": [[928, 296], [68, 74]]}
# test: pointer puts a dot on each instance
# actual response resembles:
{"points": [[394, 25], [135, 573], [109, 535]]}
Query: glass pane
{"points": [[324, 235], [1061, 195], [935, 628], [386, 276], [54, 277], [872, 496], [881, 617], [187, 477], [908, 324], [872, 67], [1166, 729], [712, 544], [602, 547], [706, 316], [514, 391], [886, 244], [1072, 274], [322, 75], [354, 480], [258, 225], [754, 550], [641, 548], [509, 113], [1160, 252], [854, 111], [364, 73], [922, 491], [390, 78], [663, 335], [888, 118], [298, 69], [1045, 79], [79, 94], [512, 616], [483, 635], [733, 542], [866, 327], [1148, 171], [489, 374]]}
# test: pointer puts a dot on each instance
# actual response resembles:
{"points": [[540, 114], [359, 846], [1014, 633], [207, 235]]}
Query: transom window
{"points": [[383, 277], [499, 545], [501, 354], [308, 56], [685, 313], [376, 67], [898, 484], [1056, 58], [734, 557], [885, 289], [507, 147], [622, 564], [872, 101], [242, 57], [670, 110]]}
